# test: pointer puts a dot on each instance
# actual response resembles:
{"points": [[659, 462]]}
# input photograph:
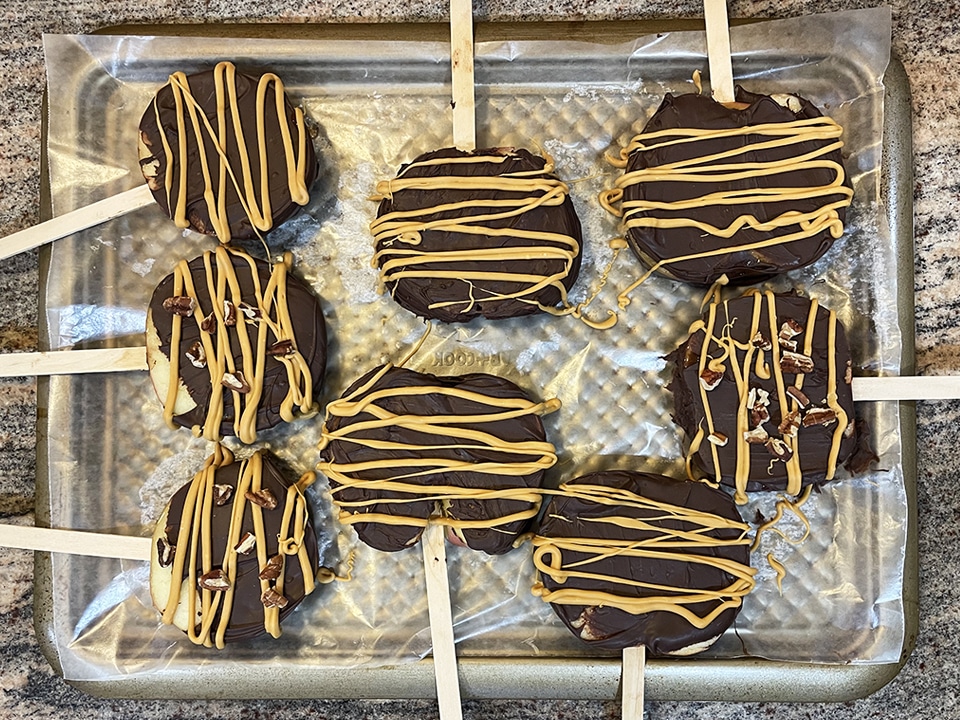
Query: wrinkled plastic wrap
{"points": [[112, 463]]}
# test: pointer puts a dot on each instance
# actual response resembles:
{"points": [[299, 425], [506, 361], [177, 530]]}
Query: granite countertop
{"points": [[926, 38]]}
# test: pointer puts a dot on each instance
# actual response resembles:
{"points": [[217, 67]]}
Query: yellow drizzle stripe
{"points": [[669, 545]]}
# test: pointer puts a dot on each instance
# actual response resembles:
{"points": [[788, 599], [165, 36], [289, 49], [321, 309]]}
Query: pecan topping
{"points": [[222, 494], [229, 313], [252, 314], [790, 345], [795, 363], [235, 381], [209, 323], [196, 355], [281, 347], [214, 580], [759, 341], [181, 305], [819, 416], [756, 436], [778, 448], [848, 375], [849, 429], [709, 379], [790, 424], [262, 497], [758, 396], [790, 329], [246, 544], [758, 415], [798, 395], [718, 439], [165, 551], [271, 599], [273, 568]]}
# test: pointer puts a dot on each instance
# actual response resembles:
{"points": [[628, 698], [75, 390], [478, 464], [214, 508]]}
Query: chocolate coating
{"points": [[246, 616], [308, 325], [417, 294], [662, 632], [390, 537], [813, 442], [154, 159], [653, 244]]}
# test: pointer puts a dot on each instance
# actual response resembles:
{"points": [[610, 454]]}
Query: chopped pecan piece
{"points": [[798, 395], [209, 323], [196, 355], [819, 416], [756, 436], [246, 544], [849, 429], [778, 448], [252, 314], [790, 328], [709, 379], [181, 305], [758, 396], [760, 342], [281, 347], [758, 415], [790, 424], [235, 381], [214, 580], [795, 363], [790, 345], [262, 497], [229, 313], [165, 551], [271, 599], [718, 439], [848, 375], [222, 494], [273, 568]]}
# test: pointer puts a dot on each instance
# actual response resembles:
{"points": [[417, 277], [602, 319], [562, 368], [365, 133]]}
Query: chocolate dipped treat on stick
{"points": [[232, 554], [222, 152], [741, 184], [763, 390], [234, 345]]}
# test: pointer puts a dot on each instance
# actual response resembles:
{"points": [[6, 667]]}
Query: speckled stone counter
{"points": [[926, 37]]}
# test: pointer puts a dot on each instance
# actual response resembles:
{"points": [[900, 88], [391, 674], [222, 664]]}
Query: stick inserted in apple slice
{"points": [[222, 152]]}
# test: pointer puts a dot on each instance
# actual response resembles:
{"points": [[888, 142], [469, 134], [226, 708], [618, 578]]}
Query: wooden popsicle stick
{"points": [[718, 50], [441, 622], [631, 683], [461, 65], [73, 362], [74, 542], [928, 387], [75, 221]]}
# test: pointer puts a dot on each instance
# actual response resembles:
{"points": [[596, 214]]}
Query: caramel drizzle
{"points": [[668, 544], [727, 351], [722, 167], [253, 193], [273, 325], [399, 233], [196, 533], [541, 455]]}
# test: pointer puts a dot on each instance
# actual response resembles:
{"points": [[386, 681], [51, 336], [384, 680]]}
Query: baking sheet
{"points": [[595, 98]]}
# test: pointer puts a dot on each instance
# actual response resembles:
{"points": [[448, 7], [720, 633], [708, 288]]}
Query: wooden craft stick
{"points": [[71, 222], [74, 542], [441, 622], [718, 50], [73, 362], [461, 64], [631, 683]]}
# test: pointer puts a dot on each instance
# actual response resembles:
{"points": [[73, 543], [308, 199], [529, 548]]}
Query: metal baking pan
{"points": [[484, 672]]}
